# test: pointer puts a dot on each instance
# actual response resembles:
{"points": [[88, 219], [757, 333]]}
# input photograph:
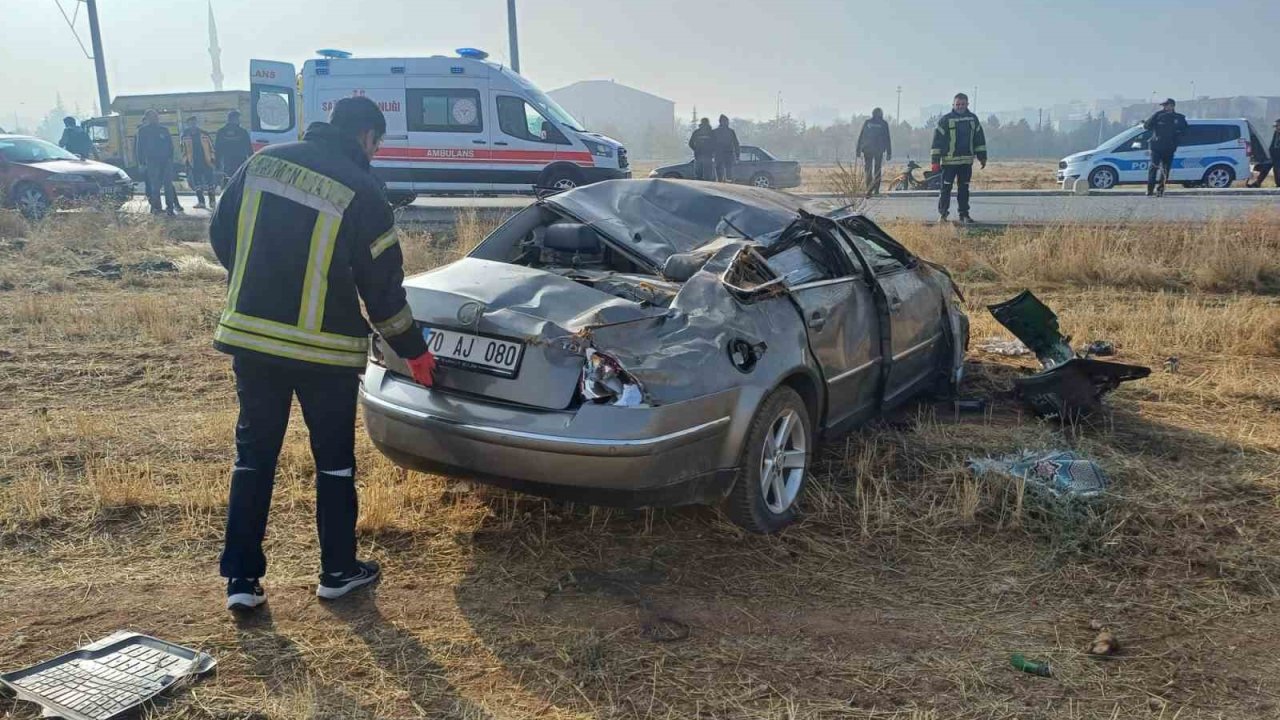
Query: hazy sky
{"points": [[731, 56]]}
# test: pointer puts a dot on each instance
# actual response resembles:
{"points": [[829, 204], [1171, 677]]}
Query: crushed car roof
{"points": [[658, 218]]}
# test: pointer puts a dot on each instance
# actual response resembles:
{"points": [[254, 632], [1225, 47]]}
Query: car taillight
{"points": [[604, 381]]}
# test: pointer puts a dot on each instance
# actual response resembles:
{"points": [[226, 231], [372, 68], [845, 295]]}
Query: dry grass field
{"points": [[901, 594], [998, 175]]}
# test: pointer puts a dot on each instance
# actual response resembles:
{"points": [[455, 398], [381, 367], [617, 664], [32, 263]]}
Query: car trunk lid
{"points": [[542, 311]]}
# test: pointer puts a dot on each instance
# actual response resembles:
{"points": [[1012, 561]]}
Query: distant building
{"points": [[1262, 109], [605, 106]]}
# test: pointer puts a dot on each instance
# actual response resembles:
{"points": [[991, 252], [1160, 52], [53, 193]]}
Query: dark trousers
{"points": [[872, 168], [160, 178], [724, 170], [704, 167], [328, 401], [955, 175], [1160, 158], [1263, 168], [200, 178]]}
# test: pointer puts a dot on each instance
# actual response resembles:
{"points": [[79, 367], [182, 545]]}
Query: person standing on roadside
{"points": [[875, 146], [957, 140], [306, 234], [75, 140], [154, 148], [1167, 127], [197, 156], [231, 146], [1268, 160], [703, 144], [726, 150]]}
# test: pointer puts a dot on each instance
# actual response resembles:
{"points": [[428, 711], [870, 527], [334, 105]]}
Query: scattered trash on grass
{"points": [[1002, 346], [1104, 645], [1070, 386], [1171, 364], [108, 677], [1033, 667], [1060, 472], [115, 271]]}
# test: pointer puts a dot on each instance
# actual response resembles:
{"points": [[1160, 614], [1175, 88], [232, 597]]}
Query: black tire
{"points": [[1104, 177], [673, 176], [750, 505], [30, 200], [401, 199], [1219, 176], [762, 180], [560, 178]]}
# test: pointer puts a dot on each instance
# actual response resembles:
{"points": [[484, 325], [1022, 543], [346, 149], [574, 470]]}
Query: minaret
{"points": [[215, 52]]}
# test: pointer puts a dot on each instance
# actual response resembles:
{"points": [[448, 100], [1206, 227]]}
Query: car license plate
{"points": [[474, 352]]}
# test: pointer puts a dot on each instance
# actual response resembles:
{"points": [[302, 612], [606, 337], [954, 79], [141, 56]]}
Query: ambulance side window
{"points": [[451, 110], [519, 119]]}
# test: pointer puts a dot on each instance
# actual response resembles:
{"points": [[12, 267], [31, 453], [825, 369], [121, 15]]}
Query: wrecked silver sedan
{"points": [[660, 342]]}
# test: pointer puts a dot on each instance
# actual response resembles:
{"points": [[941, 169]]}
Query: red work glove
{"points": [[423, 368], [936, 167]]}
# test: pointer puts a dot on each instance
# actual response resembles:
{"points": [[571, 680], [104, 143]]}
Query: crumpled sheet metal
{"points": [[658, 218], [1059, 472], [686, 354], [107, 678]]}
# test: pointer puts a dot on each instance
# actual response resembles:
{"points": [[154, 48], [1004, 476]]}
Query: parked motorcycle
{"points": [[906, 180]]}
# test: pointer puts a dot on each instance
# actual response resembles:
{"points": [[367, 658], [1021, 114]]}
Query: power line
{"points": [[71, 23]]}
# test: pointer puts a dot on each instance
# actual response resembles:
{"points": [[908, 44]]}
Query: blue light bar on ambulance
{"points": [[333, 54], [472, 53]]}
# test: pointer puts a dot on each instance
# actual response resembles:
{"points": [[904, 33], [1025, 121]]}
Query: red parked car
{"points": [[37, 176]]}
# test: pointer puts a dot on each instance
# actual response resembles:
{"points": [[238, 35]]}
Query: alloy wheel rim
{"points": [[32, 203], [1106, 179], [762, 181], [783, 461], [565, 184], [1219, 179]]}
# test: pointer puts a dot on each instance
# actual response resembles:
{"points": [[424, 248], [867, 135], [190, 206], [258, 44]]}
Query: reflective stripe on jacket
{"points": [[306, 233], [188, 151], [959, 139]]}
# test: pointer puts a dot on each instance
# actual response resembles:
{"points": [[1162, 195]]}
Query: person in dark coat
{"points": [[231, 145], [702, 143], [1167, 127], [1267, 160], [727, 148], [875, 147], [154, 148], [75, 139], [958, 140]]}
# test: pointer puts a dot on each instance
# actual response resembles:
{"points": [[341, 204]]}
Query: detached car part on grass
{"points": [[659, 342], [1070, 387]]}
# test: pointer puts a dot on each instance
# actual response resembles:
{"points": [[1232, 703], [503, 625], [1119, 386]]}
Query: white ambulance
{"points": [[459, 124]]}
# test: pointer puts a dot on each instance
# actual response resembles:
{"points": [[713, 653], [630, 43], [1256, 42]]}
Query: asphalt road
{"points": [[994, 208]]}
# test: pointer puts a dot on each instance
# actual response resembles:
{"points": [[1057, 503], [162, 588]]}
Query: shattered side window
{"points": [[878, 257]]}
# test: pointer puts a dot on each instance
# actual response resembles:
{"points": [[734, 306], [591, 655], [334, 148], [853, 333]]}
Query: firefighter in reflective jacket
{"points": [[306, 233], [957, 140]]}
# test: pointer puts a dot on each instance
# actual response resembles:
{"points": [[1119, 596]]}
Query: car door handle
{"points": [[817, 320], [501, 143], [480, 142]]}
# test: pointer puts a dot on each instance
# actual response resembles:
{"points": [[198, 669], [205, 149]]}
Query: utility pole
{"points": [[99, 64], [897, 114], [511, 36]]}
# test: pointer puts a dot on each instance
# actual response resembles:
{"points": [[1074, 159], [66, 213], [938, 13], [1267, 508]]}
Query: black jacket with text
{"points": [[1167, 128], [306, 233]]}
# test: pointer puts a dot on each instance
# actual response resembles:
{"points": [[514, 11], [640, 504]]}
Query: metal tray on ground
{"points": [[107, 678]]}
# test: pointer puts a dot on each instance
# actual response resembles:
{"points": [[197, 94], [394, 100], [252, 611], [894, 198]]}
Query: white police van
{"points": [[459, 124], [1212, 153]]}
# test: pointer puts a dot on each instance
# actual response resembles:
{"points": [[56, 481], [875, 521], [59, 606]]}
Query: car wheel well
{"points": [[559, 170], [807, 389]]}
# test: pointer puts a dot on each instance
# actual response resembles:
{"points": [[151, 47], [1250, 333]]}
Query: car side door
{"points": [[748, 164], [841, 321], [1134, 156], [915, 308]]}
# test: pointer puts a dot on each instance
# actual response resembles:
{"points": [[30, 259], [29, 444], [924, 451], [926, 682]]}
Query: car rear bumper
{"points": [[601, 454]]}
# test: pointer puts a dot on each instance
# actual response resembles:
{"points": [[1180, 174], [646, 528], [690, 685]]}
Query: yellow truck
{"points": [[114, 135]]}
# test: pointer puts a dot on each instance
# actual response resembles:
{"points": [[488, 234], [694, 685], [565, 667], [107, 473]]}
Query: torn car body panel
{"points": [[1069, 386]]}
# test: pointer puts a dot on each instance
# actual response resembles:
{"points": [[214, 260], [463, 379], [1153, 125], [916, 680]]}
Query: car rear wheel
{"points": [[31, 201], [774, 466], [1219, 176], [560, 179], [1103, 178], [762, 180]]}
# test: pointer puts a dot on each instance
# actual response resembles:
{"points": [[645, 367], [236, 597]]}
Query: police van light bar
{"points": [[472, 53], [333, 54]]}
